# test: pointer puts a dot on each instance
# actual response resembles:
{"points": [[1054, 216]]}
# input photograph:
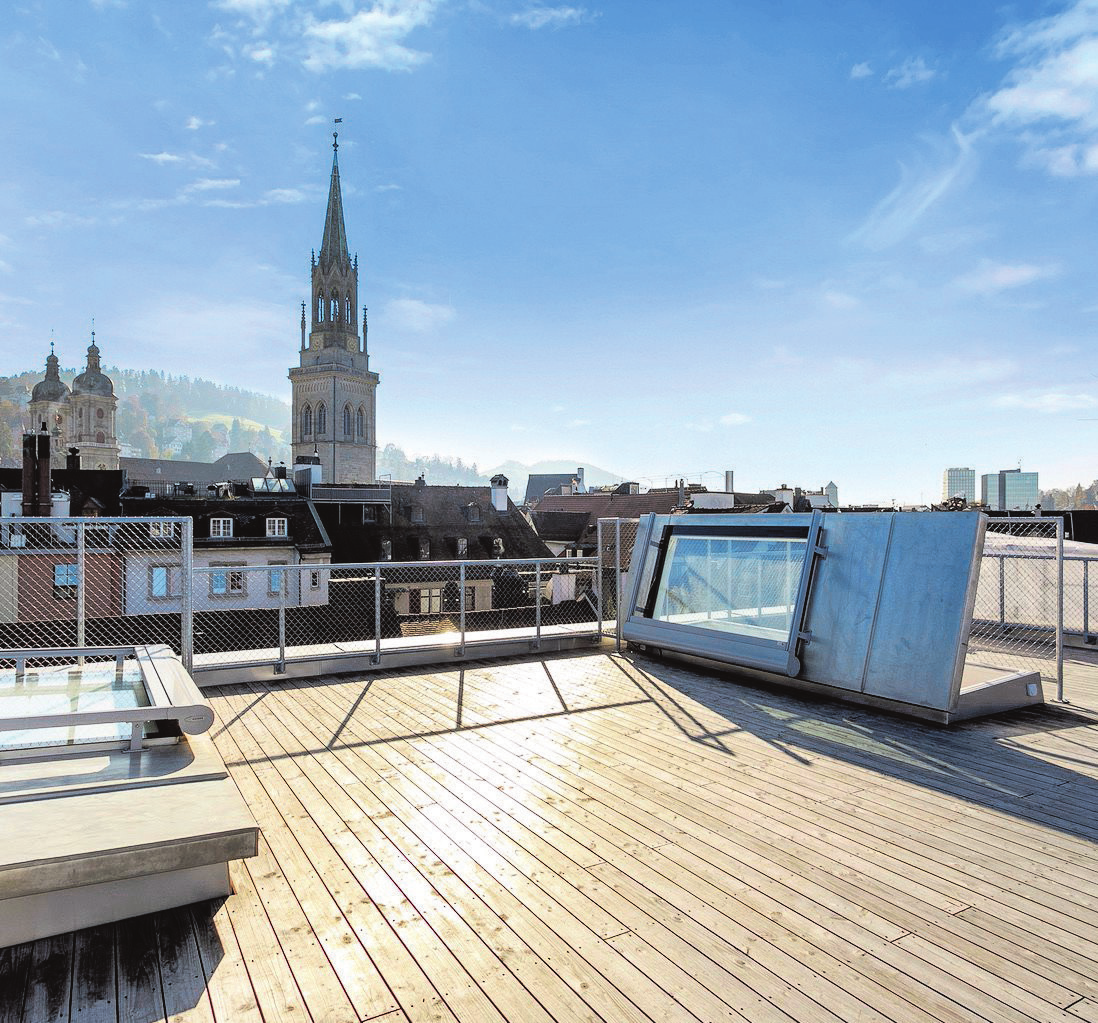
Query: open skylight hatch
{"points": [[875, 608]]}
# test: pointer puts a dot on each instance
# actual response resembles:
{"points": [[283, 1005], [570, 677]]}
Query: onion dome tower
{"points": [[49, 404], [93, 409]]}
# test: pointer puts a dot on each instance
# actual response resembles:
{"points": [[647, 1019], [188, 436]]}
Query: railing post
{"points": [[186, 615], [1086, 600], [600, 583], [377, 611], [537, 605], [617, 584], [280, 668], [461, 608], [1002, 589], [81, 587], [1060, 609]]}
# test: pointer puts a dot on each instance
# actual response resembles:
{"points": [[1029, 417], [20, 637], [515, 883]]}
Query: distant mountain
{"points": [[517, 474]]}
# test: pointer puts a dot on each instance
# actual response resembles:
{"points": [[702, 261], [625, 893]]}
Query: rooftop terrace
{"points": [[592, 836]]}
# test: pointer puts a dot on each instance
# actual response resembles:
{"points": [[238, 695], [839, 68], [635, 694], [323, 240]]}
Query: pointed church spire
{"points": [[333, 249]]}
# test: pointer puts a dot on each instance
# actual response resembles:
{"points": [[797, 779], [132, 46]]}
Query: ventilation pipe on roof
{"points": [[499, 493], [581, 489], [728, 481], [682, 491], [72, 459]]}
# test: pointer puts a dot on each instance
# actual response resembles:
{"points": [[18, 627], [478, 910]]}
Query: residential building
{"points": [[1009, 490], [959, 482], [538, 485], [334, 410]]}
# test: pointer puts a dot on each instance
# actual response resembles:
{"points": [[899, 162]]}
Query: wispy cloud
{"points": [[417, 316], [388, 187], [261, 52], [894, 217], [165, 158], [862, 70], [913, 71], [194, 123], [734, 419], [1050, 95], [840, 300], [211, 184], [951, 373], [58, 218], [550, 17], [372, 38], [1048, 404], [989, 277], [259, 11]]}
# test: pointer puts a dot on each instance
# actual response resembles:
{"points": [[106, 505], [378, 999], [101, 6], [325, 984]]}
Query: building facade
{"points": [[82, 416], [959, 482], [334, 410], [1009, 490]]}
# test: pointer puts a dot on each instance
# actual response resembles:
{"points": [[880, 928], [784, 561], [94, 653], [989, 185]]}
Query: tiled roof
{"points": [[236, 465], [539, 484], [439, 515], [304, 528]]}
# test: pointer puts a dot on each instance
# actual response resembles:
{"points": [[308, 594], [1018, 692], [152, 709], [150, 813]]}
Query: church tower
{"points": [[49, 404], [334, 412], [92, 415]]}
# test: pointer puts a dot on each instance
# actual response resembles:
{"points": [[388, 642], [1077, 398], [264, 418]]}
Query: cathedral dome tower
{"points": [[49, 404], [334, 411], [93, 406]]}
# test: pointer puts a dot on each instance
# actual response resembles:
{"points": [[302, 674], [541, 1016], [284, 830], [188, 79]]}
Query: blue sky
{"points": [[806, 241]]}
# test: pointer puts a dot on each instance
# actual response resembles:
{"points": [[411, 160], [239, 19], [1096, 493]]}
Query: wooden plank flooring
{"points": [[591, 837]]}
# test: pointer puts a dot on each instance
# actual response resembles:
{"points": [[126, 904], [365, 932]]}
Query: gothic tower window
{"points": [[335, 307], [321, 420], [360, 422], [347, 310], [306, 421], [347, 421], [320, 308]]}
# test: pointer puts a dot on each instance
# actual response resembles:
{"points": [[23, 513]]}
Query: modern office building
{"points": [[1009, 490], [959, 483]]}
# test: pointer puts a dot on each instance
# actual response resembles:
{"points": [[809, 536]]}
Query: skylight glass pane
{"points": [[66, 689], [738, 585]]}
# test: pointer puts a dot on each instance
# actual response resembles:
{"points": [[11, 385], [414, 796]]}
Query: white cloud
{"points": [[351, 96], [576, 424], [862, 70], [894, 217], [949, 373], [1050, 95], [550, 17], [260, 11], [286, 195], [164, 158], [261, 53], [912, 71], [1048, 404], [58, 218], [210, 184], [369, 38], [194, 123], [316, 119], [735, 419], [840, 300], [989, 277], [419, 317]]}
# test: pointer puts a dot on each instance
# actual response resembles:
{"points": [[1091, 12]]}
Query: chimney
{"points": [[280, 471], [499, 493], [579, 479], [682, 491], [728, 489], [36, 473], [72, 459]]}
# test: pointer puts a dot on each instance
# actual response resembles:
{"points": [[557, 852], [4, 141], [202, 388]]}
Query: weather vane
{"points": [[335, 134]]}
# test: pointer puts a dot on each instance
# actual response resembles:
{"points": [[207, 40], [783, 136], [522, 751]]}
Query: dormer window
{"points": [[417, 515], [473, 512], [221, 527], [276, 527], [162, 530]]}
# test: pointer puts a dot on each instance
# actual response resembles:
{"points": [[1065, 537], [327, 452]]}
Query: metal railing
{"points": [[1019, 613], [280, 614], [615, 538]]}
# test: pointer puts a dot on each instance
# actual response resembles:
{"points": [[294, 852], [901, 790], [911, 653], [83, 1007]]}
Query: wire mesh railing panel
{"points": [[616, 538], [93, 582], [1017, 615]]}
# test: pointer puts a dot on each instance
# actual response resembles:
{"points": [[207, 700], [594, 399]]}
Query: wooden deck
{"points": [[592, 837]]}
